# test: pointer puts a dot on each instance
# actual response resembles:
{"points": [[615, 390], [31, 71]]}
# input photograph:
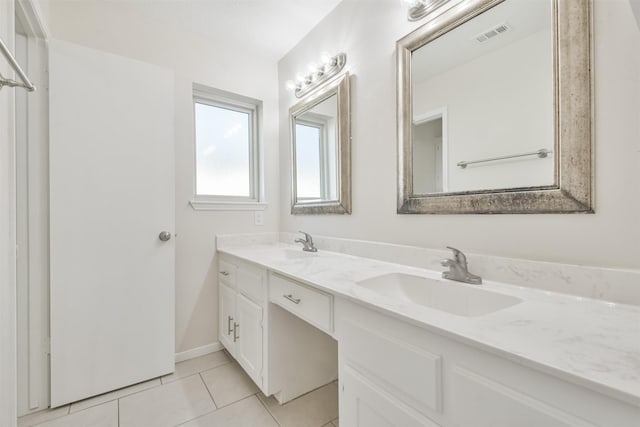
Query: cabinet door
{"points": [[249, 333], [227, 317], [362, 404]]}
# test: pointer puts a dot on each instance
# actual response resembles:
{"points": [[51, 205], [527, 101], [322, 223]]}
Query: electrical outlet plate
{"points": [[259, 217]]}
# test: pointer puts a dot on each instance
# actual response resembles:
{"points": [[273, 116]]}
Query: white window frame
{"points": [[323, 155], [222, 99]]}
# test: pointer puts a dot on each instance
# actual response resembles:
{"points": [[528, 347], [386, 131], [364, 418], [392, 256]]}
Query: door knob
{"points": [[164, 236]]}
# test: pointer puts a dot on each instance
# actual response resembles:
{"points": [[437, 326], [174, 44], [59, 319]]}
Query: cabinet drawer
{"points": [[227, 272], [307, 303], [251, 282]]}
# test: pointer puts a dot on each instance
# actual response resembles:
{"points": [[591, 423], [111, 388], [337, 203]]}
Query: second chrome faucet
{"points": [[458, 269], [307, 243]]}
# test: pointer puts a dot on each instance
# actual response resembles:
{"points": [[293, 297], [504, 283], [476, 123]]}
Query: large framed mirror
{"points": [[320, 132], [495, 109]]}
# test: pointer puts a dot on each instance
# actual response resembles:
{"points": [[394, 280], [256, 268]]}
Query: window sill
{"points": [[218, 205]]}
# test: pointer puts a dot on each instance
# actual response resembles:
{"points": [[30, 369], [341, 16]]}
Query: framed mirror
{"points": [[495, 110], [320, 132]]}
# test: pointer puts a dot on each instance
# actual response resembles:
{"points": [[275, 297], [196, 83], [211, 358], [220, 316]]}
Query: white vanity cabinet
{"points": [[242, 300], [293, 334], [393, 373]]}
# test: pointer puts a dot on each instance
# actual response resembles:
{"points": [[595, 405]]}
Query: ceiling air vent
{"points": [[491, 33]]}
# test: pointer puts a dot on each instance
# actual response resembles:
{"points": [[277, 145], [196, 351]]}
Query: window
{"points": [[315, 157], [226, 148], [308, 157]]}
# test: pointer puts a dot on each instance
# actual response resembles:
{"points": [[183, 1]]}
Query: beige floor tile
{"points": [[329, 425], [105, 415], [113, 395], [196, 365], [310, 410], [336, 423], [248, 412], [42, 416], [228, 384], [167, 405]]}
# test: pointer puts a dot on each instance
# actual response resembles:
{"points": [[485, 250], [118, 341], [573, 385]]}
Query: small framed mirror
{"points": [[495, 109], [320, 132]]}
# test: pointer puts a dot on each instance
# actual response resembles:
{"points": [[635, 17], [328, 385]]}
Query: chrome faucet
{"points": [[307, 242], [458, 269]]}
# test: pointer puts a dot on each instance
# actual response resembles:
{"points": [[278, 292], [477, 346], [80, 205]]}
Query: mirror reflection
{"points": [[483, 103], [316, 137], [321, 153]]}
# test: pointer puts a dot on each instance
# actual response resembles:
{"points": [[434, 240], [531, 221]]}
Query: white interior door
{"points": [[112, 193]]}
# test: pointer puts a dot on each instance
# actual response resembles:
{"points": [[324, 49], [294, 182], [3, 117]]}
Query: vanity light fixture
{"points": [[331, 65], [418, 9]]}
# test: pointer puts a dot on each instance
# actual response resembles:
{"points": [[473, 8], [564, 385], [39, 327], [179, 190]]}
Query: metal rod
{"points": [[542, 153], [26, 83]]}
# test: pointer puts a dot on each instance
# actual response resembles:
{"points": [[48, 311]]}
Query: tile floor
{"points": [[208, 391]]}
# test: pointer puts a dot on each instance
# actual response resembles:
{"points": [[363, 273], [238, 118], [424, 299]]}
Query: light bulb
{"points": [[299, 78], [326, 58], [290, 85]]}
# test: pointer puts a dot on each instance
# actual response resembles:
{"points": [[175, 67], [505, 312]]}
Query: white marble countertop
{"points": [[590, 342]]}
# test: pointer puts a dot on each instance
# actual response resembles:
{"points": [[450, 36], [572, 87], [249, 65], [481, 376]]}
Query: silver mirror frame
{"points": [[573, 121], [339, 86]]}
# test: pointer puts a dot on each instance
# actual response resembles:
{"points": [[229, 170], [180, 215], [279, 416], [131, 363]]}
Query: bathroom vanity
{"points": [[486, 355]]}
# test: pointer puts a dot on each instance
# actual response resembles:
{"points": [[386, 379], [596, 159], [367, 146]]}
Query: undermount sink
{"points": [[297, 254], [452, 297]]}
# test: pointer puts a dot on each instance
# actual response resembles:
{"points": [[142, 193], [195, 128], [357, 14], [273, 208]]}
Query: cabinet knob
{"points": [[224, 273]]}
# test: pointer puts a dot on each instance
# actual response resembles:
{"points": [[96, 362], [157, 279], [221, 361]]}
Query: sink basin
{"points": [[452, 297], [297, 254]]}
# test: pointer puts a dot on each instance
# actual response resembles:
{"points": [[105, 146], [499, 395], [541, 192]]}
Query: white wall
{"points": [[113, 28], [635, 5], [610, 237]]}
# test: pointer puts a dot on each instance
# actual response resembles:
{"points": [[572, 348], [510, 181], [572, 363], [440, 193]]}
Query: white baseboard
{"points": [[198, 351]]}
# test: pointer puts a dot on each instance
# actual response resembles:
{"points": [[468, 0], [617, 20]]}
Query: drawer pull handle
{"points": [[224, 273], [292, 299], [229, 319], [235, 331]]}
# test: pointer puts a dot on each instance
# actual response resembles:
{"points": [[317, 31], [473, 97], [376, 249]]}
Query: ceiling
{"points": [[460, 46], [270, 28]]}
